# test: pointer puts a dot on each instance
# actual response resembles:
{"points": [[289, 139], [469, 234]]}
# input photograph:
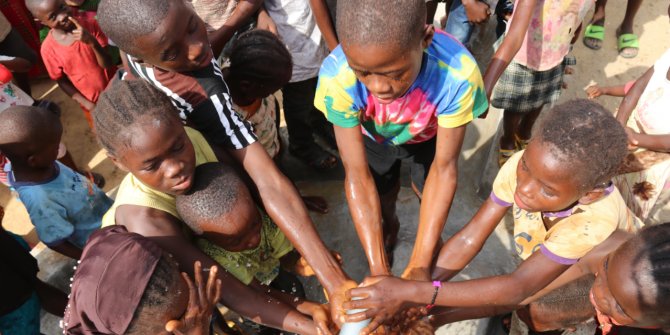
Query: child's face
{"points": [[242, 230], [159, 154], [53, 14], [387, 71], [615, 292], [544, 183], [179, 43]]}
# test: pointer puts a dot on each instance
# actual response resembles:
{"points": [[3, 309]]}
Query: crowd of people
{"points": [[180, 95]]}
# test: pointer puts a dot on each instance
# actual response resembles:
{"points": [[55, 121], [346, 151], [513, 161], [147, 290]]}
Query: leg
{"points": [[52, 299], [431, 8], [595, 31], [457, 22], [525, 129], [298, 107], [627, 41], [511, 120]]}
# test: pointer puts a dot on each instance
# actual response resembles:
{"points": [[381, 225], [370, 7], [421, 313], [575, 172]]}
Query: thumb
{"points": [[74, 21]]}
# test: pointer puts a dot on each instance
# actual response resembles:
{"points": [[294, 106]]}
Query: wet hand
{"points": [[632, 139], [321, 316], [416, 273], [80, 33], [477, 11], [380, 298], [337, 298], [201, 301]]}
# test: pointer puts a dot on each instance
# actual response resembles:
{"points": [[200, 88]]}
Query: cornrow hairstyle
{"points": [[215, 191], [381, 22], [121, 105], [149, 316], [651, 272], [124, 20], [568, 305], [260, 57], [585, 136]]}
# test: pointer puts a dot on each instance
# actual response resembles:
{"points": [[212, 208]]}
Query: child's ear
{"points": [[117, 162], [428, 33], [592, 196]]}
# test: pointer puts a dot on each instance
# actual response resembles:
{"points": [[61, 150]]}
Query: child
{"points": [[238, 235], [137, 126], [181, 65], [594, 91], [643, 112], [106, 298], [297, 28], [563, 204], [74, 53], [396, 89], [260, 65], [531, 62], [22, 292], [64, 206]]}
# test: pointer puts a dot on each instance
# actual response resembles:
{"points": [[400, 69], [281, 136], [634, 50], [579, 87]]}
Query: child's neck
{"points": [[34, 175], [62, 37]]}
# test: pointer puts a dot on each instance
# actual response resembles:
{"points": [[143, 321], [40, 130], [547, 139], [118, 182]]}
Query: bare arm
{"points": [[362, 197], [165, 230], [287, 210], [324, 22], [66, 85], [629, 102], [659, 143], [463, 246], [523, 10], [438, 193], [244, 10]]}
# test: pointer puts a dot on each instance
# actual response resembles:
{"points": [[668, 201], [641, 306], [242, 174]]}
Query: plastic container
{"points": [[354, 328]]}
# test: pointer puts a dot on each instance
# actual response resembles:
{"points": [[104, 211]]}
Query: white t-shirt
{"points": [[651, 113], [297, 28]]}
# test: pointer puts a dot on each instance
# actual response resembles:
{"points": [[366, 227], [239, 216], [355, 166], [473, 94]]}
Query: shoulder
{"points": [[335, 63]]}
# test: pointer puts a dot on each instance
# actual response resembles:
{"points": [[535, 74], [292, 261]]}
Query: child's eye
{"points": [[178, 147], [151, 167], [546, 193]]}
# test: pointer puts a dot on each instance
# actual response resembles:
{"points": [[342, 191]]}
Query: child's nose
{"points": [[173, 169], [379, 86], [195, 50]]}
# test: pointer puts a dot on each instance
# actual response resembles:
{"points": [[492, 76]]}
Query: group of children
{"points": [[191, 117]]}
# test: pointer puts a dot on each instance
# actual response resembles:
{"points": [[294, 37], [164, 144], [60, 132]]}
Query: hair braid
{"points": [[260, 57]]}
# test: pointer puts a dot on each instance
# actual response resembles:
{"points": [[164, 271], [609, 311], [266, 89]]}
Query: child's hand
{"points": [[201, 302], [632, 139], [381, 298], [81, 34], [420, 274], [320, 315], [303, 268], [265, 22], [88, 104], [594, 91]]}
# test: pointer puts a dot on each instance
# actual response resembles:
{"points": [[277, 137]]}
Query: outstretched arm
{"points": [[287, 210], [523, 10], [165, 230], [463, 246], [362, 197], [438, 193]]}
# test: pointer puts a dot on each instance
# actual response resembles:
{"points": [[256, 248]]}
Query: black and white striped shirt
{"points": [[203, 100]]}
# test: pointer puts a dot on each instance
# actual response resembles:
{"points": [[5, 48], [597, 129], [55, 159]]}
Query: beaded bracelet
{"points": [[437, 284]]}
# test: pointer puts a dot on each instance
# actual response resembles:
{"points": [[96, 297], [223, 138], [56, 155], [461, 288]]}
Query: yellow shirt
{"points": [[574, 232], [134, 192]]}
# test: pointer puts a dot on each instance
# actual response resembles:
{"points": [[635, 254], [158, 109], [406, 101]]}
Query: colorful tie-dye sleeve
{"points": [[334, 93], [468, 97]]}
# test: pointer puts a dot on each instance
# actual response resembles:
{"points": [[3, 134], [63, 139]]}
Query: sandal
{"points": [[504, 155], [628, 45], [594, 36], [520, 143], [314, 156]]}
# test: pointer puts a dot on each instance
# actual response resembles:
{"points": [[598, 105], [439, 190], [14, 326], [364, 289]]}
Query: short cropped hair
{"points": [[586, 136], [124, 20], [21, 126], [381, 22]]}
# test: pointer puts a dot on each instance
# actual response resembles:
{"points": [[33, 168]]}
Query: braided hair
{"points": [[651, 271], [121, 105], [585, 136], [258, 56]]}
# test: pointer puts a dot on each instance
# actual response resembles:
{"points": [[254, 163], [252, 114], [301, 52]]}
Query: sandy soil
{"points": [[604, 67]]}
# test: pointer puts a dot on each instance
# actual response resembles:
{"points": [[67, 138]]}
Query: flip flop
{"points": [[628, 45], [594, 36]]}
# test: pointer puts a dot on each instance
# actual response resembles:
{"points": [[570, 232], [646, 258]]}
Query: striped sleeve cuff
{"points": [[558, 259], [500, 201]]}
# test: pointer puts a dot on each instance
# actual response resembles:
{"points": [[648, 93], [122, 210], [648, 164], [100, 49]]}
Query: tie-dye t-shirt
{"points": [[448, 92]]}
